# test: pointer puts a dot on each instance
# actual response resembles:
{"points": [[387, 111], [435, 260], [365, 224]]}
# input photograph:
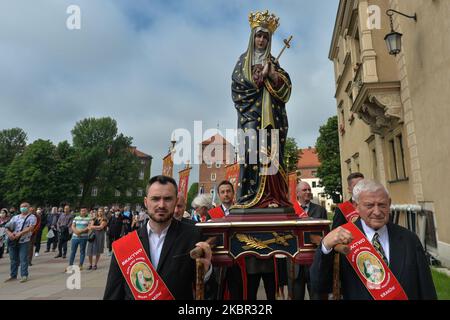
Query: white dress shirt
{"points": [[225, 210], [383, 237], [156, 243], [306, 205]]}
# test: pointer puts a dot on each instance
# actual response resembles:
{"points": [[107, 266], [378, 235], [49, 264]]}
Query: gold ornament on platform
{"points": [[255, 243], [264, 19], [251, 242]]}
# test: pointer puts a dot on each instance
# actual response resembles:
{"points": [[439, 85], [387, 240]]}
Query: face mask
{"points": [[24, 209]]}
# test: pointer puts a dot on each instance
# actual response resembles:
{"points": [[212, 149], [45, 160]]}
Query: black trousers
{"points": [[233, 282], [302, 282], [253, 281], [111, 239], [52, 241], [62, 247], [37, 241]]}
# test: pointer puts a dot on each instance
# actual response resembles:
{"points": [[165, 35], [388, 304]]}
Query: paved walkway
{"points": [[47, 279]]}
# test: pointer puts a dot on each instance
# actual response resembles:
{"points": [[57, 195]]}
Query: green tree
{"points": [[30, 177], [329, 172], [291, 154], [121, 160], [66, 175], [192, 193], [103, 158], [12, 144]]}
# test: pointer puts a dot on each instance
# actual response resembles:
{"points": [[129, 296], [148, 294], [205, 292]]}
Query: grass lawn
{"points": [[442, 284], [44, 235]]}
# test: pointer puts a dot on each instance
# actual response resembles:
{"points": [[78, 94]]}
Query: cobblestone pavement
{"points": [[48, 280]]}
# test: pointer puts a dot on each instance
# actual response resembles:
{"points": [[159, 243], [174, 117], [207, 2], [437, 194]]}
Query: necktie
{"points": [[377, 245]]}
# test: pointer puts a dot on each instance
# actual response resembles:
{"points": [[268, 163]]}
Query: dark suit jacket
{"points": [[407, 262], [316, 211], [338, 218], [188, 221], [177, 273]]}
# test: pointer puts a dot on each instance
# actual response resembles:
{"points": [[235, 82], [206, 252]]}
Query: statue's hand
{"points": [[273, 75], [266, 70]]}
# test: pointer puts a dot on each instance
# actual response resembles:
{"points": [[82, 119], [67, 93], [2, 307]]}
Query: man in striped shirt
{"points": [[80, 228]]}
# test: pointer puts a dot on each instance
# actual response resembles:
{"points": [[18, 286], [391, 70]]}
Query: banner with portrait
{"points": [[183, 182], [168, 165], [292, 181]]}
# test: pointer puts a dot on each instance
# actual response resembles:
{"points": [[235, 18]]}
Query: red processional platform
{"points": [[263, 233]]}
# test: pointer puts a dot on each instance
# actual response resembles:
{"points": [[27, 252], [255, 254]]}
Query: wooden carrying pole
{"points": [[196, 254], [340, 248]]}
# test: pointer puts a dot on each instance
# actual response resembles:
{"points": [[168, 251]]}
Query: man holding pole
{"points": [[166, 244], [384, 261]]}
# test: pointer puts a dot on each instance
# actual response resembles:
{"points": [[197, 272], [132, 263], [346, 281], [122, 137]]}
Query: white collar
{"points": [[163, 232], [371, 232]]}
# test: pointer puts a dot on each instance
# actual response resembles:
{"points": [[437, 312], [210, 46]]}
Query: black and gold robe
{"points": [[261, 105]]}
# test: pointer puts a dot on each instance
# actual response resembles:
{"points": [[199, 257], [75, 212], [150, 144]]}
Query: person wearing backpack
{"points": [[19, 230]]}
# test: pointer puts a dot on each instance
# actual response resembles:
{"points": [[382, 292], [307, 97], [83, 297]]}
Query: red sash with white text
{"points": [[142, 279], [299, 210], [371, 268], [349, 211]]}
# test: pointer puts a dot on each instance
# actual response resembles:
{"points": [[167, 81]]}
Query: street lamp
{"points": [[394, 39]]}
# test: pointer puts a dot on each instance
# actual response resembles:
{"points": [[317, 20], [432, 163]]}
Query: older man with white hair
{"points": [[201, 204], [400, 249]]}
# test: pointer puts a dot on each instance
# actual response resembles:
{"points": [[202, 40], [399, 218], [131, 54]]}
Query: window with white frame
{"points": [[94, 191], [213, 176]]}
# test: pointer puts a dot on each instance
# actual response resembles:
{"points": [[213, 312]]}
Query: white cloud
{"points": [[154, 66]]}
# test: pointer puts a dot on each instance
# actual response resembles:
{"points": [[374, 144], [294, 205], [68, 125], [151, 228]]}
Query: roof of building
{"points": [[217, 138], [139, 153], [308, 158]]}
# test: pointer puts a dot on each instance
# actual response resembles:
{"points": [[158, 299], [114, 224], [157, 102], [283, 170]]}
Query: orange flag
{"points": [[184, 181]]}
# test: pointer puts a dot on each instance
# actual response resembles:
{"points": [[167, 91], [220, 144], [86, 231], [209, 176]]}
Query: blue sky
{"points": [[154, 66]]}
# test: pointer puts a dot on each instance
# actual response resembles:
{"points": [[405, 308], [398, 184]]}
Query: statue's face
{"points": [[261, 40]]}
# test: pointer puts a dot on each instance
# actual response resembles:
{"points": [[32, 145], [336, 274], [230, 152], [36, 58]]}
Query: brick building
{"points": [[307, 165], [215, 150]]}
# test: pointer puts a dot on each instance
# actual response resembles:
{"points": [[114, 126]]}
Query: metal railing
{"points": [[418, 220]]}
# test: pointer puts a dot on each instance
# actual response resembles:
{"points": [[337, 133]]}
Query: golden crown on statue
{"points": [[264, 19]]}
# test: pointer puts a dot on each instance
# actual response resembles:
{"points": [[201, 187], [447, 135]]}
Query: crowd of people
{"points": [[169, 225], [88, 232], [167, 231]]}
